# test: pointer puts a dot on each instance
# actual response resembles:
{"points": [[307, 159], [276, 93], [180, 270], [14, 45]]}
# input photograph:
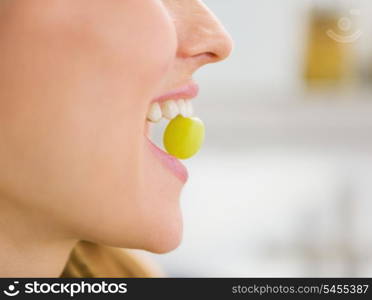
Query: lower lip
{"points": [[169, 161]]}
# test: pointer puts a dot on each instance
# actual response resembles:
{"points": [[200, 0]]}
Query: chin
{"points": [[162, 233], [159, 232], [165, 239]]}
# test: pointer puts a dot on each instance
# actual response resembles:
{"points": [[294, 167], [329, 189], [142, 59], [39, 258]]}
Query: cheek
{"points": [[75, 84], [79, 47], [73, 65], [136, 45]]}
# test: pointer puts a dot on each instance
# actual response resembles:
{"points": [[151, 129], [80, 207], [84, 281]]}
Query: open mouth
{"points": [[168, 107]]}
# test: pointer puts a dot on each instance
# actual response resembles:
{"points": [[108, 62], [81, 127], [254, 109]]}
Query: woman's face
{"points": [[76, 81]]}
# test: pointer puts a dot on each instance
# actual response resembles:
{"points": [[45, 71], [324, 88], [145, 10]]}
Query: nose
{"points": [[201, 35]]}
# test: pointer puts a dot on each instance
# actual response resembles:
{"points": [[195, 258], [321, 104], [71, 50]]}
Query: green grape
{"points": [[184, 137]]}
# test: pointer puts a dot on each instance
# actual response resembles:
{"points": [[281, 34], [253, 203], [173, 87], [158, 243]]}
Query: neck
{"points": [[30, 248]]}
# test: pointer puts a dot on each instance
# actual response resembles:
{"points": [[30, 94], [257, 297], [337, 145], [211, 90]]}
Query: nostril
{"points": [[213, 48], [207, 57], [212, 55]]}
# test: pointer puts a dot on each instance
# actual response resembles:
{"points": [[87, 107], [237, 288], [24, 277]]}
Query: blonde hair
{"points": [[91, 260]]}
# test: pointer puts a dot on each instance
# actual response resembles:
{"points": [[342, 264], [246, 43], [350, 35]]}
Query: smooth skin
{"points": [[76, 81]]}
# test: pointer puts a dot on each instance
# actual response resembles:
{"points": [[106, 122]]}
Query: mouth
{"points": [[168, 106]]}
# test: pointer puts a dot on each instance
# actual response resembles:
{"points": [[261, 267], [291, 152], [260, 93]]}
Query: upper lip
{"points": [[187, 91]]}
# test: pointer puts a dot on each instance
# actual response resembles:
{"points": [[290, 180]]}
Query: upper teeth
{"points": [[169, 110]]}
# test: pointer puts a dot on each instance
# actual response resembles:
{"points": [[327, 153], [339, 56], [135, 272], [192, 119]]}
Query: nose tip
{"points": [[214, 41], [223, 44], [203, 36]]}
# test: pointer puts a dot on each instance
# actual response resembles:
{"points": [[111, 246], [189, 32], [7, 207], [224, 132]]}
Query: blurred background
{"points": [[282, 186]]}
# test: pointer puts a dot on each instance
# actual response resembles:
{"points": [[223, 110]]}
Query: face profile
{"points": [[77, 81]]}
